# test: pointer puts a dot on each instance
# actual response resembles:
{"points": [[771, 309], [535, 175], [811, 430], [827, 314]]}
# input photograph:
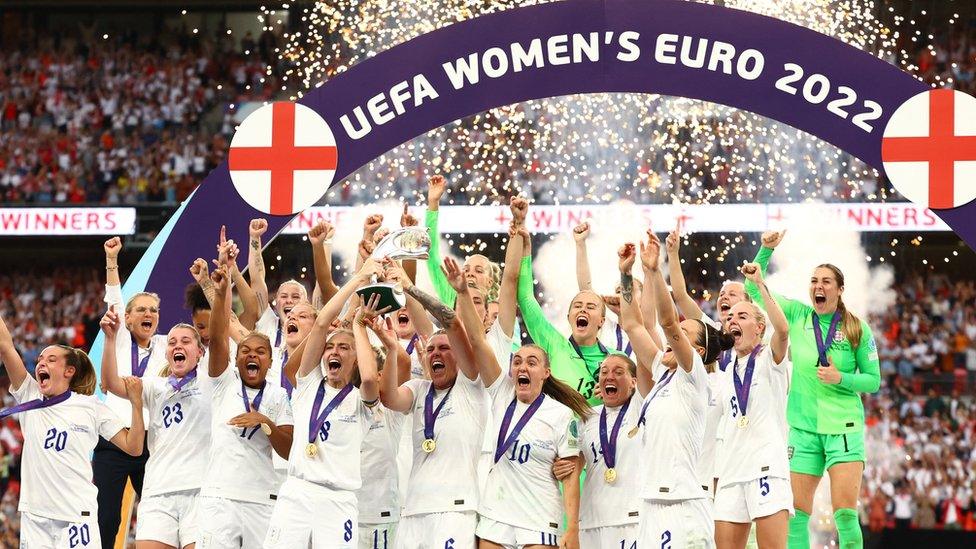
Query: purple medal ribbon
{"points": [[285, 382], [35, 404], [665, 379], [824, 343], [609, 445], [278, 336], [724, 359], [620, 342], [252, 406], [430, 413], [178, 384], [504, 443], [412, 344], [316, 420], [742, 387], [139, 366]]}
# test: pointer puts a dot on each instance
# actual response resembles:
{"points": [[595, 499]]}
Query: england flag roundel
{"points": [[282, 158], [929, 149]]}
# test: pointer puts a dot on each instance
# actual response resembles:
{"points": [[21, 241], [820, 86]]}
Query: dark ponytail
{"points": [[714, 341], [83, 382]]}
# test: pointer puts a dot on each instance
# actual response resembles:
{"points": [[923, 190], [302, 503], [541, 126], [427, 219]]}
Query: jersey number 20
{"points": [[56, 439]]}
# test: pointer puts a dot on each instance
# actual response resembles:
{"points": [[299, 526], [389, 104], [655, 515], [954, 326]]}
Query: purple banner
{"points": [[776, 69]]}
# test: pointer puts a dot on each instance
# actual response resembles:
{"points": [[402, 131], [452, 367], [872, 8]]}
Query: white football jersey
{"points": [[178, 427], [56, 472], [156, 354], [618, 503], [412, 346], [379, 498], [338, 442], [270, 325], [521, 490], [614, 337], [445, 480], [713, 436], [239, 466], [760, 448], [673, 432]]}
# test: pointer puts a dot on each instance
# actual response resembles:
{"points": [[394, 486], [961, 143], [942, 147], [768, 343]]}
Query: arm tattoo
{"points": [[254, 244], [444, 315], [627, 287]]}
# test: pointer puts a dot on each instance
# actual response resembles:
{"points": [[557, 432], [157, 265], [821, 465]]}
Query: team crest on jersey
{"points": [[789, 452], [574, 428], [838, 336]]}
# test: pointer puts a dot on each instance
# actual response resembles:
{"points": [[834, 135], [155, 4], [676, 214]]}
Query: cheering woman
{"points": [[61, 423], [835, 359], [752, 468], [675, 511]]}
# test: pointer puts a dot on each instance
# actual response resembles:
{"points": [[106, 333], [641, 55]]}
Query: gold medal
{"points": [[266, 429], [610, 475], [429, 445], [311, 450], [633, 432], [743, 422]]}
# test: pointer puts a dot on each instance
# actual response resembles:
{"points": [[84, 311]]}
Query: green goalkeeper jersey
{"points": [[812, 405]]}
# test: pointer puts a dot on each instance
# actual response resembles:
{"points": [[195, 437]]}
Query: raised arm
{"points": [[508, 292], [201, 274], [780, 341], [542, 332], [219, 323], [11, 358], [666, 312], [255, 263], [315, 342], [393, 394], [369, 386], [678, 288], [435, 189], [630, 316], [320, 237], [249, 299], [583, 280], [112, 248], [131, 440], [791, 308], [110, 369], [367, 244], [474, 327]]}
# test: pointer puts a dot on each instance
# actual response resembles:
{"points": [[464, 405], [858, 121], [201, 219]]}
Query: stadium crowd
{"points": [[126, 119]]}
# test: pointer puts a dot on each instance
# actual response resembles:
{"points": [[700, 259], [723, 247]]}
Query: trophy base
{"points": [[390, 295]]}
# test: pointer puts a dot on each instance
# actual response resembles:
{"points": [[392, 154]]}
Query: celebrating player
{"points": [[251, 419], [835, 358], [317, 504], [752, 468], [178, 429], [61, 423]]}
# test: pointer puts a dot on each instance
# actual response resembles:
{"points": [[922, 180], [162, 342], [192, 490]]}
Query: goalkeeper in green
{"points": [[835, 358]]}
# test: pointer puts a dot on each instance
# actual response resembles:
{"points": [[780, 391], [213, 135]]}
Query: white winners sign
{"points": [[711, 218], [67, 221]]}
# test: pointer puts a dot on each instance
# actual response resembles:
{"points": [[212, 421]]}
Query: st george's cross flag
{"points": [[929, 149], [282, 158]]}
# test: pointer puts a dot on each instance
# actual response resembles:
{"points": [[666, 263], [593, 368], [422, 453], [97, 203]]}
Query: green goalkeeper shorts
{"points": [[813, 453]]}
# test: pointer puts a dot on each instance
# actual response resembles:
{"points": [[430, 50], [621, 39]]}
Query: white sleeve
{"points": [[28, 390], [109, 424], [284, 415], [314, 376], [567, 439], [113, 296], [502, 387], [415, 386]]}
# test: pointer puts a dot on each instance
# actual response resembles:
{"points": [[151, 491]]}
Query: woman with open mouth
{"points": [[139, 351], [675, 509], [61, 423], [534, 424], [447, 415], [252, 420], [178, 427], [317, 505], [835, 359], [752, 468]]}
